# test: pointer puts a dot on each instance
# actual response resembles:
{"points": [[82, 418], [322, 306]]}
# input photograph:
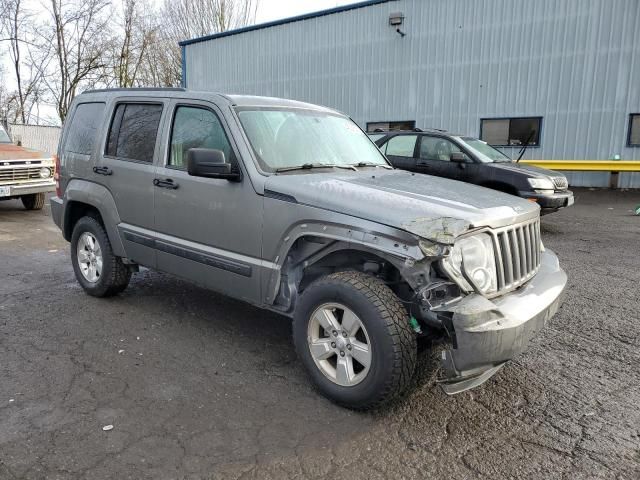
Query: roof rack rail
{"points": [[437, 129], [144, 89], [416, 129], [379, 130]]}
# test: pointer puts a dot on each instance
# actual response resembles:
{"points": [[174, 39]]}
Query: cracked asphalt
{"points": [[200, 386]]}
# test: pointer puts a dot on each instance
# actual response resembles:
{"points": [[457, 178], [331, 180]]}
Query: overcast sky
{"points": [[269, 10]]}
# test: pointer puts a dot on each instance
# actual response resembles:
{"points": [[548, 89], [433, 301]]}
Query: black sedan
{"points": [[468, 159]]}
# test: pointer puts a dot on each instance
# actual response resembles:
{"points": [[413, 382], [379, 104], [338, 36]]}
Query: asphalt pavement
{"points": [[197, 385]]}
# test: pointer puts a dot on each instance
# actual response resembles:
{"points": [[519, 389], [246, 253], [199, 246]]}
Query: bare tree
{"points": [[73, 48], [184, 19], [158, 67], [132, 42], [8, 102], [15, 23], [189, 18]]}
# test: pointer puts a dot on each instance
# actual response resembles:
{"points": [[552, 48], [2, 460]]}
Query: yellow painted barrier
{"points": [[587, 165]]}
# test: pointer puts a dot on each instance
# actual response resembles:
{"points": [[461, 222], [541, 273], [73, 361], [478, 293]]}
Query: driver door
{"points": [[209, 230], [434, 157]]}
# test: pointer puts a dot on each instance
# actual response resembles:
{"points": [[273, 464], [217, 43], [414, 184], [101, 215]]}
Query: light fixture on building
{"points": [[396, 20]]}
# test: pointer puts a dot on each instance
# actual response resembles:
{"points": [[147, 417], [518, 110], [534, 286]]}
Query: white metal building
{"points": [[563, 74]]}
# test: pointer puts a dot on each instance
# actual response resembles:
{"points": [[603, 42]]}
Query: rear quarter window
{"points": [[83, 130]]}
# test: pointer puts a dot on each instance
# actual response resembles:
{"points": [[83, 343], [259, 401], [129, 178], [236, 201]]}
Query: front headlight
{"points": [[541, 183], [472, 264], [45, 172]]}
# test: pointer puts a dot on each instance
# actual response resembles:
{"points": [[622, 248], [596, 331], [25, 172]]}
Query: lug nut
{"points": [[335, 333], [342, 354], [333, 344], [344, 334], [349, 347]]}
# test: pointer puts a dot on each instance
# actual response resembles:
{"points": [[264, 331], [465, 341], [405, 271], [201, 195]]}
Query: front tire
{"points": [[353, 335], [97, 269], [34, 201]]}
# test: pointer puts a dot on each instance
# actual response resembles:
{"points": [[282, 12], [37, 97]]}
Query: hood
{"points": [[9, 151], [434, 208], [528, 170]]}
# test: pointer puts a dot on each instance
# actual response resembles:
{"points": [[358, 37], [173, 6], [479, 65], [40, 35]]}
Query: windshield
{"points": [[485, 152], [283, 138], [4, 137]]}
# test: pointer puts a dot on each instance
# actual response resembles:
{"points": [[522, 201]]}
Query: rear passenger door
{"points": [[400, 150], [126, 167]]}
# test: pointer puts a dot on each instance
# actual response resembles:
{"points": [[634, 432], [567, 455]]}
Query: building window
{"points": [[511, 132], [387, 126], [634, 130]]}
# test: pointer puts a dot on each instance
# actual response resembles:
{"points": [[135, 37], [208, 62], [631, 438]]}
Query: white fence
{"points": [[37, 137]]}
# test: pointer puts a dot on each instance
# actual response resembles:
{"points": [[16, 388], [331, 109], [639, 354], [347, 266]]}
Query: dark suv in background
{"points": [[459, 157]]}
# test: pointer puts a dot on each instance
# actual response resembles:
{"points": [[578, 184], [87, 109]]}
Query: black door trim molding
{"points": [[233, 266]]}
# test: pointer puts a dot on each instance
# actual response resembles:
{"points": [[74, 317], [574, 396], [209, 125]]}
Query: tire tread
{"points": [[395, 316], [119, 273]]}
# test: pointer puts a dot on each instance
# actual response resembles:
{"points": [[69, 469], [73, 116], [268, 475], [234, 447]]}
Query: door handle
{"points": [[422, 164], [166, 183], [102, 170]]}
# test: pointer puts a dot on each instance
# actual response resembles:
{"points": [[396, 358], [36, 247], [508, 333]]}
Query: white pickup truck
{"points": [[24, 173]]}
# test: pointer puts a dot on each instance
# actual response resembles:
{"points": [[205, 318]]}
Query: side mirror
{"points": [[458, 157], [209, 163]]}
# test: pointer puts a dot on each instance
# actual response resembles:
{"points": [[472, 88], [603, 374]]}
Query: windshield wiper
{"points": [[309, 166], [365, 164], [525, 146]]}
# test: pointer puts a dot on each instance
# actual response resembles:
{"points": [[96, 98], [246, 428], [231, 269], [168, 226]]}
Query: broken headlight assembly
{"points": [[472, 265]]}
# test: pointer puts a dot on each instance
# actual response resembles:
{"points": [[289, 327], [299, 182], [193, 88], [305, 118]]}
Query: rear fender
{"points": [[99, 197]]}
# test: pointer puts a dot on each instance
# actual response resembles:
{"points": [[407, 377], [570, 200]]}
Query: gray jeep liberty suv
{"points": [[290, 207]]}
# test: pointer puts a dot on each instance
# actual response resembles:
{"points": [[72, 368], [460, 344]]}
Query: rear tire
{"points": [[34, 201], [383, 327], [100, 273]]}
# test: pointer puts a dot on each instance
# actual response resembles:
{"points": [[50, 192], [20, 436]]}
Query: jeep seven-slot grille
{"points": [[517, 254], [17, 174]]}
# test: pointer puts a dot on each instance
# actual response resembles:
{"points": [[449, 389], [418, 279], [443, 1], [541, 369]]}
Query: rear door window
{"points": [[83, 130], [133, 131]]}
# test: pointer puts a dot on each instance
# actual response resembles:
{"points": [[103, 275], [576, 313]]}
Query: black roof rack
{"points": [[416, 130], [158, 89]]}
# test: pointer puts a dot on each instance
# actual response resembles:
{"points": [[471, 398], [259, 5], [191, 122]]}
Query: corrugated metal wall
{"points": [[38, 137], [576, 63]]}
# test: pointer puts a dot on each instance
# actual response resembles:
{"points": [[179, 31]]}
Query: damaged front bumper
{"points": [[487, 333]]}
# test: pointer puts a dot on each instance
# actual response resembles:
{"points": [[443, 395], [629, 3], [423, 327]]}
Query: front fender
{"points": [[399, 248]]}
